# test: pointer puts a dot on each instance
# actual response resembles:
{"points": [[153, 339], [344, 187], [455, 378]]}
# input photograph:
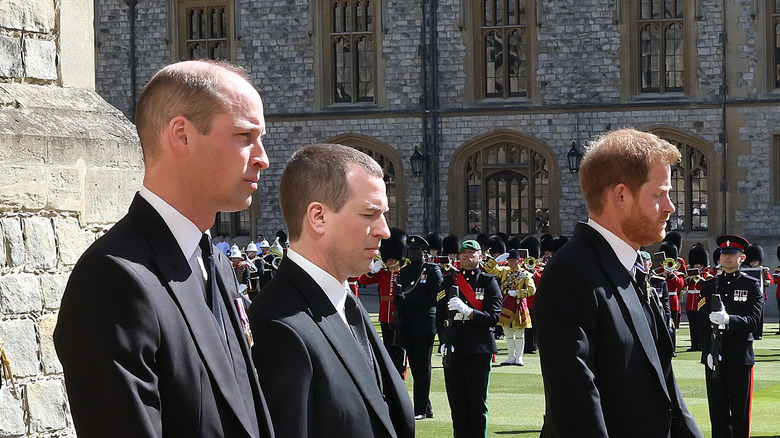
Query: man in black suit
{"points": [[729, 371], [604, 349], [320, 362], [149, 334]]}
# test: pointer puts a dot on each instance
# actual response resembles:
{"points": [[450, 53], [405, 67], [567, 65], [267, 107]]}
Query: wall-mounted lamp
{"points": [[419, 161], [574, 158]]}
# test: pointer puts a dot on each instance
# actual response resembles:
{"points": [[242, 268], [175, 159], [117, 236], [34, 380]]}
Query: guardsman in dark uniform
{"points": [[465, 325], [754, 258], [256, 273], [449, 248], [729, 372], [392, 252], [416, 308], [658, 284]]}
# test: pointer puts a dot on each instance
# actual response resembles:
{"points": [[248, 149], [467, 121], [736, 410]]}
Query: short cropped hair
{"points": [[623, 156], [192, 89], [318, 173]]}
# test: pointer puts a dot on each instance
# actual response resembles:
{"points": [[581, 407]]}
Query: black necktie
{"points": [[212, 291], [355, 321]]}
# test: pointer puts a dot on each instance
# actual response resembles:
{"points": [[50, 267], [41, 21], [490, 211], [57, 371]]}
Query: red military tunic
{"points": [[386, 281]]}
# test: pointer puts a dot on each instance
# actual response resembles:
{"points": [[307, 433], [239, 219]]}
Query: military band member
{"points": [[776, 280], [471, 345], [697, 259], [754, 258], [675, 283], [254, 274], [416, 308], [658, 283], [533, 246], [729, 391], [516, 285], [241, 267], [392, 253], [449, 248]]}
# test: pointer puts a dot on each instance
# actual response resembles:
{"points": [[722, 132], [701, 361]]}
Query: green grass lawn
{"points": [[516, 394]]}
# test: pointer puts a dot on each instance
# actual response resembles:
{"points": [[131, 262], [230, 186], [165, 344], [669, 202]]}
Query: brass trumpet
{"points": [[529, 263], [670, 264]]}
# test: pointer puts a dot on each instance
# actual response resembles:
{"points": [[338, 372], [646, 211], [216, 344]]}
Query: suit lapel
{"points": [[340, 338], [174, 270], [628, 294]]}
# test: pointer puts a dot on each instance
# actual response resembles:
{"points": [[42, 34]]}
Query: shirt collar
{"points": [[335, 290], [185, 232], [624, 252]]}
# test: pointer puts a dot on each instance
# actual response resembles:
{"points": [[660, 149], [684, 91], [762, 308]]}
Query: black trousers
{"points": [[397, 354], [530, 341], [419, 350], [692, 315], [729, 397], [466, 380]]}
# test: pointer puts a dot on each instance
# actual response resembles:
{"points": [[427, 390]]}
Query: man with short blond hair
{"points": [[604, 348], [150, 332]]}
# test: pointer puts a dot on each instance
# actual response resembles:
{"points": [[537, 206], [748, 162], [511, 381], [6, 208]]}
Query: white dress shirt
{"points": [[335, 290], [624, 252]]}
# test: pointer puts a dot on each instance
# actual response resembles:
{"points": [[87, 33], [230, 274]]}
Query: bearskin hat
{"points": [[393, 247], [435, 242], [669, 249], [494, 245], [482, 240], [513, 242], [558, 242], [450, 244], [282, 237], [753, 253], [532, 245], [546, 242], [716, 255], [697, 255], [675, 238]]}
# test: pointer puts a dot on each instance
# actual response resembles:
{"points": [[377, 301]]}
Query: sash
{"points": [[468, 292]]}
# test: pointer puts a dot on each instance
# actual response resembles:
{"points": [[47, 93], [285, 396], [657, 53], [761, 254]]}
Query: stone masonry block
{"points": [[64, 189], [39, 240], [72, 240], [103, 209], [30, 15], [21, 150], [10, 55], [12, 235], [40, 59], [20, 293], [22, 187], [11, 412], [52, 287], [46, 401], [21, 346], [51, 364]]}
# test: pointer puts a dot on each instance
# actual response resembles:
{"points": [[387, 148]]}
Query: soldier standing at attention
{"points": [[471, 317], [392, 252], [416, 308], [729, 372]]}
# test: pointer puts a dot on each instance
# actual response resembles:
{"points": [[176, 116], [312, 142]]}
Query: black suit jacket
{"points": [[606, 372], [316, 378], [140, 348]]}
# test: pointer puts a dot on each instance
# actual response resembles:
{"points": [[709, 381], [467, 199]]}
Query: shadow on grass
{"points": [[515, 432]]}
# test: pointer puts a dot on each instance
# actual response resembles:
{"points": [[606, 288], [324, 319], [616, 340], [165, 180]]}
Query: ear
{"points": [[177, 133], [316, 214], [619, 195]]}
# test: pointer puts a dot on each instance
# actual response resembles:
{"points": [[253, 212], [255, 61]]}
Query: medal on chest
{"points": [[740, 295], [479, 293]]}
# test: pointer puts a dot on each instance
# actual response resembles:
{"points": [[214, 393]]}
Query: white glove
{"points": [[502, 258], [512, 293], [459, 306], [710, 362], [377, 267], [719, 318]]}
